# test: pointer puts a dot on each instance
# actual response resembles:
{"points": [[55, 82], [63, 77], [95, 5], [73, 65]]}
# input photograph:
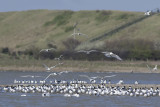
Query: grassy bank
{"points": [[23, 34], [81, 66]]}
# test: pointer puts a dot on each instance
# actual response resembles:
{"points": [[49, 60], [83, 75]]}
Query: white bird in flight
{"points": [[31, 76], [47, 50], [107, 77], [152, 69], [59, 58], [79, 34], [110, 54], [55, 73], [87, 52], [91, 79], [49, 68]]}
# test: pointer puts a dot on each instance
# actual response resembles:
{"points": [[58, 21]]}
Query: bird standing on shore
{"points": [[110, 54]]}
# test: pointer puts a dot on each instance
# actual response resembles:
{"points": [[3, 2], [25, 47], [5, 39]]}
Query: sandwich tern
{"points": [[110, 54]]}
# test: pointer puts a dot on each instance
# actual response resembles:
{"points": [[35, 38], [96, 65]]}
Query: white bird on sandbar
{"points": [[55, 73], [152, 69], [87, 52], [110, 54], [47, 50]]}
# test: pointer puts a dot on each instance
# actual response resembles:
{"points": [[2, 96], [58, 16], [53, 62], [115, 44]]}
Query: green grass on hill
{"points": [[20, 30], [40, 29]]}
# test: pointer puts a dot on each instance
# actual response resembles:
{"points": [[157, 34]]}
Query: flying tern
{"points": [[110, 54]]}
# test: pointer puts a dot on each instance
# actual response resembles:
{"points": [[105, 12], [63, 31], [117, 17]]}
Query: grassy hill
{"points": [[23, 30]]}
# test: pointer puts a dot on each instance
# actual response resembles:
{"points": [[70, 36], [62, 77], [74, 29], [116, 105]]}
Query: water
{"points": [[58, 100]]}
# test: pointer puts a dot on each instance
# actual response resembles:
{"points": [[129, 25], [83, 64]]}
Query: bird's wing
{"points": [[42, 50], [51, 49], [60, 63], [94, 77], [116, 56], [37, 76], [109, 76], [83, 34], [45, 66], [63, 72], [81, 51], [74, 34], [93, 51], [106, 54], [48, 76], [53, 66], [27, 76], [149, 68], [60, 56]]}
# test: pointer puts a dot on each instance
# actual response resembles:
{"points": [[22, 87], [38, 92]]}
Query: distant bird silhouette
{"points": [[46, 50], [152, 69], [110, 54], [87, 52]]}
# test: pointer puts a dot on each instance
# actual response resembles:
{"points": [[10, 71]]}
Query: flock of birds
{"points": [[106, 53], [77, 88]]}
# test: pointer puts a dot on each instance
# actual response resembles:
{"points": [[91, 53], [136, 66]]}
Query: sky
{"points": [[76, 5]]}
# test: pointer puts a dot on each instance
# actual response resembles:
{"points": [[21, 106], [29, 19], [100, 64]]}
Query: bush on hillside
{"points": [[103, 15], [124, 16], [32, 52], [71, 43], [139, 49], [5, 50], [69, 28]]}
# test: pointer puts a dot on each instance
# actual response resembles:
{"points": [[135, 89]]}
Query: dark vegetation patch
{"points": [[127, 49], [103, 15], [69, 28], [61, 19], [124, 16], [138, 49], [71, 43]]}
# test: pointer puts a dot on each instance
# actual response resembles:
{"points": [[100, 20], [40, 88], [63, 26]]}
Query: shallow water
{"points": [[58, 100]]}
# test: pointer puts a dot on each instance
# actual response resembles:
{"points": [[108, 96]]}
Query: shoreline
{"points": [[41, 69], [79, 66]]}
